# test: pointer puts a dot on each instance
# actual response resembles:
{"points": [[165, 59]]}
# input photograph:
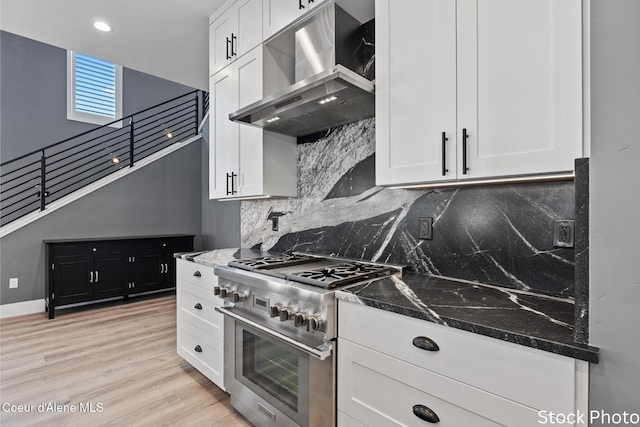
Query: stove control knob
{"points": [[238, 296], [313, 324], [285, 314], [224, 292], [216, 290], [299, 319], [274, 310]]}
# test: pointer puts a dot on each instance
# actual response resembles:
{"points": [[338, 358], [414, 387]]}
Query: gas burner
{"points": [[269, 262], [339, 274]]}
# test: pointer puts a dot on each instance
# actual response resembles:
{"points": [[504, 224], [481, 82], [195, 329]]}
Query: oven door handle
{"points": [[321, 352]]}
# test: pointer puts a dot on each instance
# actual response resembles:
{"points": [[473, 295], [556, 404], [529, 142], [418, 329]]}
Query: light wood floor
{"points": [[122, 356]]}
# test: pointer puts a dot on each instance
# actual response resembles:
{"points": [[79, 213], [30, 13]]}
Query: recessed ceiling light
{"points": [[102, 26]]}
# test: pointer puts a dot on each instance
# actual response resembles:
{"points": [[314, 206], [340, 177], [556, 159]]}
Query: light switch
{"points": [[13, 282]]}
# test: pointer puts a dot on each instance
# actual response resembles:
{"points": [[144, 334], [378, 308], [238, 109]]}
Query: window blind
{"points": [[95, 86]]}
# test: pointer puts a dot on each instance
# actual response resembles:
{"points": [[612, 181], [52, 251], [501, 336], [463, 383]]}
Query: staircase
{"points": [[46, 179]]}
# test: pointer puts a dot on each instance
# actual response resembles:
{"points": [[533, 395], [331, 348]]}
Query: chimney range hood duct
{"points": [[328, 92]]}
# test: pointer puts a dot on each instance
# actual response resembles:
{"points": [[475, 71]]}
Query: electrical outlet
{"points": [[563, 233], [13, 283], [426, 228]]}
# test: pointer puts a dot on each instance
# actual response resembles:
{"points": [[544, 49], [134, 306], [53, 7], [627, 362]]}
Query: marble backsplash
{"points": [[499, 234]]}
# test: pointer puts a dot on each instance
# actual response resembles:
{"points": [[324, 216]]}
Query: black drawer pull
{"points": [[199, 350], [198, 306], [197, 274], [425, 414], [425, 343]]}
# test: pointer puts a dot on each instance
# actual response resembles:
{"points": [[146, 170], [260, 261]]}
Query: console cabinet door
{"points": [[148, 271], [520, 85], [111, 275], [73, 279], [415, 91]]}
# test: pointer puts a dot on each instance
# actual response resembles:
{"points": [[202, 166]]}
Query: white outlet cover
{"points": [[13, 282]]}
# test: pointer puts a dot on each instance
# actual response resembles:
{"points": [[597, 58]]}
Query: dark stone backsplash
{"points": [[499, 234]]}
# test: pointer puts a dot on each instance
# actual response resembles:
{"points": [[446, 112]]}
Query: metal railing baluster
{"points": [[78, 160], [131, 136], [43, 180]]}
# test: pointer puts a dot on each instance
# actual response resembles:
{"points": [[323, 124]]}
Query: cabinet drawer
{"points": [[496, 366], [189, 298], [197, 274], [201, 350], [377, 389]]}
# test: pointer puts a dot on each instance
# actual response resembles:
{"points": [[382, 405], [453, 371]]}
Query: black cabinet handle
{"points": [[425, 414], [228, 191], [197, 274], [425, 343], [444, 153], [233, 183], [465, 136], [198, 306], [300, 5], [234, 43], [198, 349], [228, 42]]}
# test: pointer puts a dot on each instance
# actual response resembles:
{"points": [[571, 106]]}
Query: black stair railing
{"points": [[36, 179]]}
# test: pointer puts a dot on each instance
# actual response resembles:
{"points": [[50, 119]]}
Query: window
{"points": [[94, 89]]}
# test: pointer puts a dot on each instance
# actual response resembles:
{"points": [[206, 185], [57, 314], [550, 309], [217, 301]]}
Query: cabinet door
{"points": [[248, 15], [277, 14], [415, 91], [249, 90], [223, 134], [111, 275], [148, 271], [520, 85], [220, 41], [72, 279]]}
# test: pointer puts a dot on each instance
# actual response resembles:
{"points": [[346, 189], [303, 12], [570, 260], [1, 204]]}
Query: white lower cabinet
{"points": [[199, 327], [471, 380]]}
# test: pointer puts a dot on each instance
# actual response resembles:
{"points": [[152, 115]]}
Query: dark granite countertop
{"points": [[533, 320]]}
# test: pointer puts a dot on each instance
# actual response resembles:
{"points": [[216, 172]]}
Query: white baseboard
{"points": [[21, 308]]}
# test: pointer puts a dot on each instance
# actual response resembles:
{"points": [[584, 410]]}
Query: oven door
{"points": [[270, 380]]}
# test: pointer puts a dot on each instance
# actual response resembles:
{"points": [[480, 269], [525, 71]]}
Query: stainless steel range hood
{"points": [[327, 92]]}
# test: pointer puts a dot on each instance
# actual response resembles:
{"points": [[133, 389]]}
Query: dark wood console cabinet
{"points": [[84, 270]]}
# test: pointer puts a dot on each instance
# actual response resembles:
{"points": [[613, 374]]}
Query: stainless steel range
{"points": [[280, 334]]}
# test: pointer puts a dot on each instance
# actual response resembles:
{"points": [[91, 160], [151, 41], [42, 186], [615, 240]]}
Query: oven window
{"points": [[272, 367]]}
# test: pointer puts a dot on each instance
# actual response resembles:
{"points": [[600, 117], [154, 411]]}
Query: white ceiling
{"points": [[165, 38]]}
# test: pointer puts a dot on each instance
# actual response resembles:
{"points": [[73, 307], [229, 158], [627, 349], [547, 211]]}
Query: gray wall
{"points": [[615, 205], [220, 220], [33, 77], [162, 198]]}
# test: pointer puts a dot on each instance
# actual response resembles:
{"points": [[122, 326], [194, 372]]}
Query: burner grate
{"points": [[270, 262], [339, 274]]}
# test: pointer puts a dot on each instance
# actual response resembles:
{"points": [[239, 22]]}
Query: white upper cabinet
{"points": [[507, 74], [245, 161], [277, 14], [415, 90], [234, 32]]}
